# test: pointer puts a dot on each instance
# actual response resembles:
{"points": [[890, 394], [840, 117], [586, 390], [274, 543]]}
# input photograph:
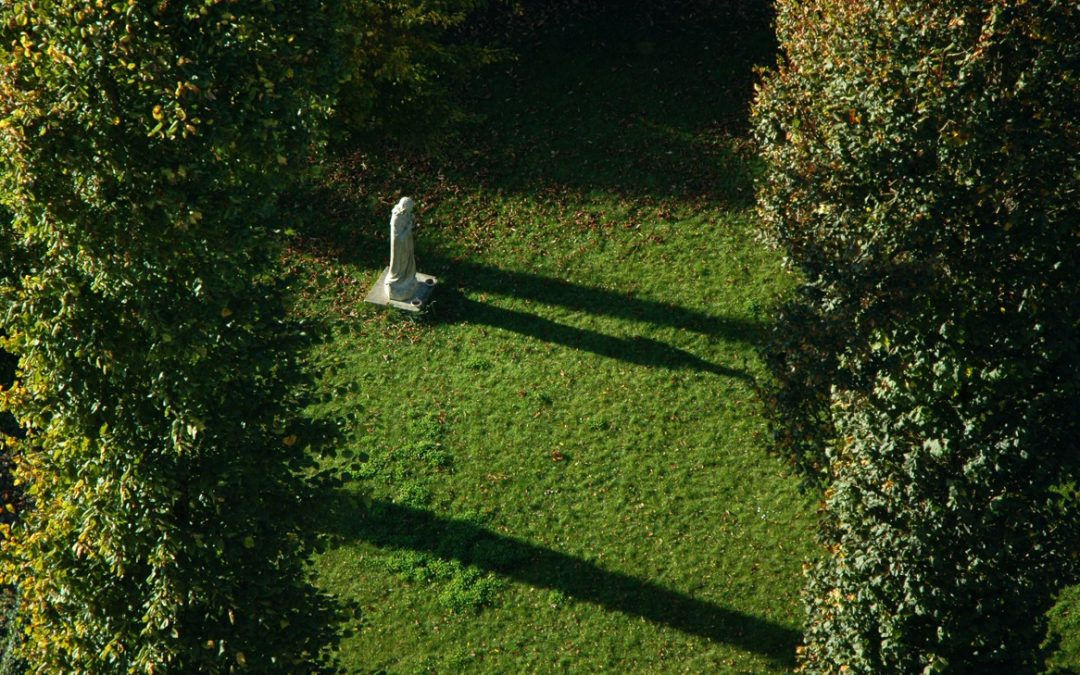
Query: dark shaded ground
{"points": [[628, 100], [653, 111]]}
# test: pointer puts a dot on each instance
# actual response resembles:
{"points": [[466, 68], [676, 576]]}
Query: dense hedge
{"points": [[12, 265], [923, 174], [10, 495], [142, 145], [404, 60]]}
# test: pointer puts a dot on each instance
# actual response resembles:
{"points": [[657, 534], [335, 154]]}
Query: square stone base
{"points": [[425, 282]]}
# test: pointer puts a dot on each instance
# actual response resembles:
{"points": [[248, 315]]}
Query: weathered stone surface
{"points": [[400, 285], [424, 285], [401, 276]]}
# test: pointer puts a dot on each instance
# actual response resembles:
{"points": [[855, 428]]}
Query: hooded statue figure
{"points": [[401, 277]]}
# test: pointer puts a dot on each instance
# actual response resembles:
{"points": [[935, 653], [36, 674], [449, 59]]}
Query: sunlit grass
{"points": [[563, 463]]}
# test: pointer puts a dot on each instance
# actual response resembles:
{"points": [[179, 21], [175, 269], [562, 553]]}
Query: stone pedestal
{"points": [[424, 284]]}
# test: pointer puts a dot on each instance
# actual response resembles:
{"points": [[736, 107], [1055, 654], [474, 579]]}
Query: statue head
{"points": [[405, 205], [401, 219]]}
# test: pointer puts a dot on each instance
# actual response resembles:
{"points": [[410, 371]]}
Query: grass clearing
{"points": [[561, 466]]}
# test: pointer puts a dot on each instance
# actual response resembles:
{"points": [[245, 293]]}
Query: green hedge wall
{"points": [[142, 144], [923, 174]]}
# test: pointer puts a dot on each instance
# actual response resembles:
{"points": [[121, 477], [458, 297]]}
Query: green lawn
{"points": [[562, 465], [563, 462]]}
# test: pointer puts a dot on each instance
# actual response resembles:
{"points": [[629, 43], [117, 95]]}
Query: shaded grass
{"points": [[561, 466]]}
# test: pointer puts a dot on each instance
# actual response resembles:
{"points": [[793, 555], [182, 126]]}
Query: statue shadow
{"points": [[461, 279], [480, 278], [454, 306], [388, 525]]}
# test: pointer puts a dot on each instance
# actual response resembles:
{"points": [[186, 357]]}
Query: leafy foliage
{"points": [[11, 267], [923, 174], [1064, 633], [402, 58], [10, 495], [142, 148]]}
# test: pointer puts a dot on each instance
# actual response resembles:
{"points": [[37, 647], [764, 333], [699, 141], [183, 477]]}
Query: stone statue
{"points": [[401, 280], [400, 285]]}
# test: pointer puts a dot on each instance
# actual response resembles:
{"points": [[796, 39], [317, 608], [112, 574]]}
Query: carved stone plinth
{"points": [[378, 295]]}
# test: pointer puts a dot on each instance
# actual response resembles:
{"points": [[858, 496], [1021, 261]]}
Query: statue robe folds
{"points": [[400, 286], [401, 283]]}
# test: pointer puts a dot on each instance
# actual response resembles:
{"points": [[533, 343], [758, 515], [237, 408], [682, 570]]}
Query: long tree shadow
{"points": [[637, 350], [357, 246], [389, 525]]}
